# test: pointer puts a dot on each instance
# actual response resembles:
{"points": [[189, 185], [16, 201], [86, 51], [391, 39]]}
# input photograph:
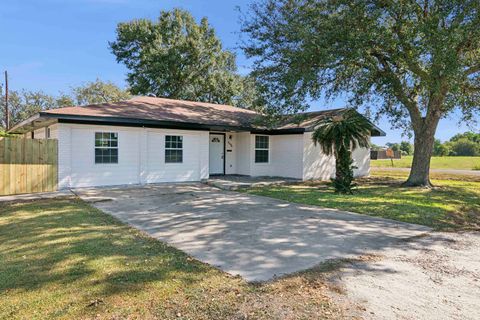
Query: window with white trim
{"points": [[47, 133], [173, 149], [262, 144], [106, 147]]}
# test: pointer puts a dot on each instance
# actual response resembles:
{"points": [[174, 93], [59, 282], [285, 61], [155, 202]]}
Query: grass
{"points": [[63, 259], [435, 176], [451, 205], [457, 163]]}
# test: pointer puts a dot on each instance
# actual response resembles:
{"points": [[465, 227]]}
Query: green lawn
{"points": [[403, 175], [63, 259], [460, 163], [452, 204]]}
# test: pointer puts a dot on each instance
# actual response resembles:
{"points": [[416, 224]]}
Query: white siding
{"points": [[204, 143], [85, 172], [285, 157], [318, 166], [361, 159], [54, 131], [41, 133], [243, 154], [191, 167], [141, 157], [230, 157], [64, 156]]}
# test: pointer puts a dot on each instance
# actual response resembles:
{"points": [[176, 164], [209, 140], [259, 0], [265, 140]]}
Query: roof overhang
{"points": [[34, 122], [377, 132], [43, 119]]}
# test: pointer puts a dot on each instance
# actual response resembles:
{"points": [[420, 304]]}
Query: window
{"points": [[47, 133], [173, 149], [261, 149], [106, 147]]}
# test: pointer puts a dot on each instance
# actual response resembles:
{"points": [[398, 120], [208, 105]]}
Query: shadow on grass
{"points": [[446, 207], [58, 242]]}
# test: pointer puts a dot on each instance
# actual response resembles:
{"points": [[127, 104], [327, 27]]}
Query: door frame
{"points": [[224, 151]]}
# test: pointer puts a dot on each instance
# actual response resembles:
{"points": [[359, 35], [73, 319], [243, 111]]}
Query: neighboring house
{"points": [[151, 140]]}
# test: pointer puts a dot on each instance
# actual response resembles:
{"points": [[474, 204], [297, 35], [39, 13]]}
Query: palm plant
{"points": [[340, 136]]}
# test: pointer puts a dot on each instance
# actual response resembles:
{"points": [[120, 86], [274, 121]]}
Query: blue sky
{"points": [[52, 45]]}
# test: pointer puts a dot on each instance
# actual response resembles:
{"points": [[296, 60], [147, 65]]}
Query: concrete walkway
{"points": [[237, 182], [255, 237], [36, 196]]}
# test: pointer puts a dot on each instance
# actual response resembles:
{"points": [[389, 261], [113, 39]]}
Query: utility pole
{"points": [[7, 114]]}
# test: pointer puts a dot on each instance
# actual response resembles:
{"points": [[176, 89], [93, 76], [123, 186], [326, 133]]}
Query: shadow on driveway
{"points": [[256, 237]]}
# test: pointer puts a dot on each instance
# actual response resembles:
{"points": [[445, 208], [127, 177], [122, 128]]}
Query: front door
{"points": [[217, 152]]}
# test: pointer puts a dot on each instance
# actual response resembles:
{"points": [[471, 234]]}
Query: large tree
{"points": [[177, 57], [98, 91], [414, 60]]}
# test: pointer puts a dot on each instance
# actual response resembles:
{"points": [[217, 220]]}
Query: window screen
{"points": [[173, 149], [261, 149], [106, 147]]}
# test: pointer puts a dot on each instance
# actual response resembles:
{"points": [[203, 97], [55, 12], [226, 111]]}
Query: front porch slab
{"points": [[236, 182]]}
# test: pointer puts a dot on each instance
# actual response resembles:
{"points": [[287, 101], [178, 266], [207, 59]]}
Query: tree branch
{"points": [[411, 64], [398, 89]]}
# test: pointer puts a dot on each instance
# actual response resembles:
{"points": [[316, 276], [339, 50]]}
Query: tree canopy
{"points": [[414, 60], [24, 103], [98, 92], [178, 58]]}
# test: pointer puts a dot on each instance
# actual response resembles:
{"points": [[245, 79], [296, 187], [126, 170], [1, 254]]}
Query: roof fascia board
{"points": [[24, 122], [164, 124]]}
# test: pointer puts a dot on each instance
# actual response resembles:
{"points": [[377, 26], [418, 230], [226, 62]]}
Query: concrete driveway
{"points": [[255, 237]]}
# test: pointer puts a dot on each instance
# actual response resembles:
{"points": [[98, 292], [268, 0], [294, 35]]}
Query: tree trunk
{"points": [[423, 144], [343, 171]]}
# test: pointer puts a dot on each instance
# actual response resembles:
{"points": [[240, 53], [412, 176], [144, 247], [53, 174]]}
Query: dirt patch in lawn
{"points": [[432, 277]]}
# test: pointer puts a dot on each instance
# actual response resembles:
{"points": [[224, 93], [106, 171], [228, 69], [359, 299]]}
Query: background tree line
{"points": [[25, 103], [462, 144]]}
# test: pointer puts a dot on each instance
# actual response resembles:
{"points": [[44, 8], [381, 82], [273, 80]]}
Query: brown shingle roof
{"points": [[162, 109], [145, 110], [307, 120]]}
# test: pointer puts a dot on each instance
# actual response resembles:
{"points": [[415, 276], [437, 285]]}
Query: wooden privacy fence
{"points": [[28, 165]]}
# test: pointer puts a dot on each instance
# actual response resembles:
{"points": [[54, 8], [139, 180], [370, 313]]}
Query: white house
{"points": [[151, 140]]}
